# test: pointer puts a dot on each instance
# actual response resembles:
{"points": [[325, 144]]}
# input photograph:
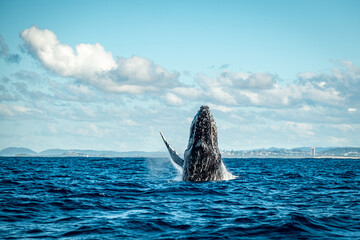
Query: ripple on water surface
{"points": [[106, 198]]}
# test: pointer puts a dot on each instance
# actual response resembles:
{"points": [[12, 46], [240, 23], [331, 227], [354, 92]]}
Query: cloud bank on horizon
{"points": [[56, 94]]}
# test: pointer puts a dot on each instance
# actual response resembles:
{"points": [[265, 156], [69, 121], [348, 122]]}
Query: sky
{"points": [[109, 75]]}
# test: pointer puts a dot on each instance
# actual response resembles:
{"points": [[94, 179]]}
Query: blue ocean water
{"points": [[142, 198]]}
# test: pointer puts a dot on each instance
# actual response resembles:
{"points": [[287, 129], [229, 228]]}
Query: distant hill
{"points": [[94, 153], [264, 153], [16, 151], [13, 151]]}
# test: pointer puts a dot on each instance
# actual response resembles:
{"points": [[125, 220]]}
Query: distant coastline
{"points": [[304, 152]]}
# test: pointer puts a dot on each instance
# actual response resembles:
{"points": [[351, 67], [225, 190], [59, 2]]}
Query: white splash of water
{"points": [[226, 174], [179, 171]]}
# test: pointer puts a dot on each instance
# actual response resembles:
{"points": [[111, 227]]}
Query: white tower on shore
{"points": [[312, 151]]}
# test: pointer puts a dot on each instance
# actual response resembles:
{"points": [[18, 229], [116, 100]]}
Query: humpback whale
{"points": [[202, 159]]}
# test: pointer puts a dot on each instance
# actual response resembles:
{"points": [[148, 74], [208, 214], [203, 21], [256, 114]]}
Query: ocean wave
{"points": [[99, 198]]}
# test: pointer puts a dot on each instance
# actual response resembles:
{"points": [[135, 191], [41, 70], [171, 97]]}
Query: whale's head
{"points": [[202, 156], [203, 132]]}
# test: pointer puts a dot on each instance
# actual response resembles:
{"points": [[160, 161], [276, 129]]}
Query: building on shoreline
{"points": [[312, 151]]}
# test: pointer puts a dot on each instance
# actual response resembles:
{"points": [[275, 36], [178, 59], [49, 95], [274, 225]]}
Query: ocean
{"points": [[144, 198]]}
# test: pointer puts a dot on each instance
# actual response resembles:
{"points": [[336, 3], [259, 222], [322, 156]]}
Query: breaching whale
{"points": [[202, 159]]}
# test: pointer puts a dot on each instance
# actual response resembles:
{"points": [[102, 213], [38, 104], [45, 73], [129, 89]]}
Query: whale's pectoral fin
{"points": [[175, 157]]}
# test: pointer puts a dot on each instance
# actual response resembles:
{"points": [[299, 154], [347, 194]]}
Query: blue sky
{"points": [[109, 75]]}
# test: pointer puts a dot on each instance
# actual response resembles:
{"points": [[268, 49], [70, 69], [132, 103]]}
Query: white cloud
{"points": [[308, 75], [140, 69], [91, 64], [338, 89], [215, 90], [136, 75], [338, 141], [189, 93], [111, 86], [221, 108], [84, 62], [248, 80], [89, 130], [342, 127], [17, 111], [300, 129], [174, 100]]}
